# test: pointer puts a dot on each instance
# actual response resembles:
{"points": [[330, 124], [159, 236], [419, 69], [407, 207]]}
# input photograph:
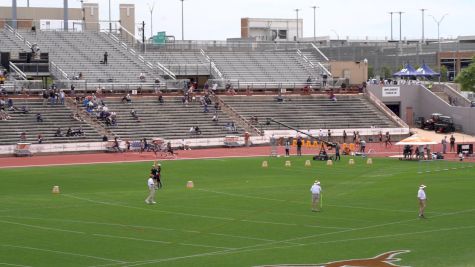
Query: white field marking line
{"points": [[139, 208], [185, 214], [63, 252], [159, 241], [139, 226], [250, 238], [256, 247], [10, 264], [300, 202], [41, 227], [294, 224], [50, 207]]}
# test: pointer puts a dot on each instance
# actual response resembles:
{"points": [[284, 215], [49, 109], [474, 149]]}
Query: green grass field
{"points": [[238, 214]]}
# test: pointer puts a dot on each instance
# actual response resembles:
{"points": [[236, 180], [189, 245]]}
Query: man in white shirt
{"points": [[316, 190], [421, 196], [151, 187]]}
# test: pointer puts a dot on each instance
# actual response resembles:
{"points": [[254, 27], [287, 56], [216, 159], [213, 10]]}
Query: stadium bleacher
{"points": [[54, 116], [311, 112], [170, 120]]}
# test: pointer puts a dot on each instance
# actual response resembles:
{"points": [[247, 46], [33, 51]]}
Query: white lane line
{"points": [[41, 227], [63, 252], [11, 264], [153, 210]]}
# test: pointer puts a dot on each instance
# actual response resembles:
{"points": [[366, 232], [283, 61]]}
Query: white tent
{"points": [[416, 140]]}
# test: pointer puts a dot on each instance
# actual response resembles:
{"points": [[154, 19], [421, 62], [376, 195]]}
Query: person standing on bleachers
{"points": [[106, 55]]}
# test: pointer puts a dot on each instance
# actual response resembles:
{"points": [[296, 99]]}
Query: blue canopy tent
{"points": [[407, 71], [425, 71]]}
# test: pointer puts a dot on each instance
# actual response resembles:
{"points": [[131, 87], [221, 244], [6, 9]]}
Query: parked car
{"points": [[445, 124]]}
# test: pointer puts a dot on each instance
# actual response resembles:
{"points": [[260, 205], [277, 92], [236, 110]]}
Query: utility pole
{"points": [[297, 11], [110, 20], [423, 38], [182, 22], [14, 15], [143, 35], [400, 25], [391, 13], [314, 23]]}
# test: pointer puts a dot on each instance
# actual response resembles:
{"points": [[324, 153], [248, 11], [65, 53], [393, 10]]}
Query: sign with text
{"points": [[391, 91]]}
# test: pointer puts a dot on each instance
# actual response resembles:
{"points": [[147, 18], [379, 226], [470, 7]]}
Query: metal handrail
{"points": [[17, 70], [320, 52], [62, 73], [212, 64]]}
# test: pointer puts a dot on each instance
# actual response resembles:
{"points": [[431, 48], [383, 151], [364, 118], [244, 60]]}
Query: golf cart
{"points": [[429, 124], [445, 124]]}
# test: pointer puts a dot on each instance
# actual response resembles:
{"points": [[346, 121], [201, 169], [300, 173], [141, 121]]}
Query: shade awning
{"points": [[416, 140]]}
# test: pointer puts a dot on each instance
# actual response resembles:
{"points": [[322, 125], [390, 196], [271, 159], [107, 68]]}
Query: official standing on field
{"points": [[421, 196], [151, 188], [316, 190]]}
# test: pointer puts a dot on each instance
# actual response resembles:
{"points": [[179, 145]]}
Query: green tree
{"points": [[370, 71], [466, 78], [386, 72], [443, 73]]}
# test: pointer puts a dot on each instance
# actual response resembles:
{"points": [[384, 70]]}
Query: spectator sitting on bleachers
{"points": [[24, 110], [4, 116], [126, 98], [205, 108], [69, 132], [215, 118], [254, 120], [2, 104], [333, 97], [39, 118], [9, 103], [23, 136], [58, 133], [160, 98], [134, 115], [142, 77], [279, 98], [230, 127]]}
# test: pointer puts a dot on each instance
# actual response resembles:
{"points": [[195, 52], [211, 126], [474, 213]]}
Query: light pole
{"points": [[439, 21], [391, 13], [182, 22], [297, 11], [150, 8], [110, 20], [314, 22], [422, 10], [400, 25]]}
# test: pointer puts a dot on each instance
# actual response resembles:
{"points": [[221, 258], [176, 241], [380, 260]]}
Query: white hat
{"points": [[317, 182], [422, 186], [159, 164]]}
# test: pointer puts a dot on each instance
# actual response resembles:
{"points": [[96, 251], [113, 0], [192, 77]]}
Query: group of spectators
{"points": [[96, 107], [70, 132], [53, 95]]}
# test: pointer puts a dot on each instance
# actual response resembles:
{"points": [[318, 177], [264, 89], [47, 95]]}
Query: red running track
{"points": [[378, 150]]}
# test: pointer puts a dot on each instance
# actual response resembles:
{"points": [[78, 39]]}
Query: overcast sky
{"points": [[220, 19]]}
